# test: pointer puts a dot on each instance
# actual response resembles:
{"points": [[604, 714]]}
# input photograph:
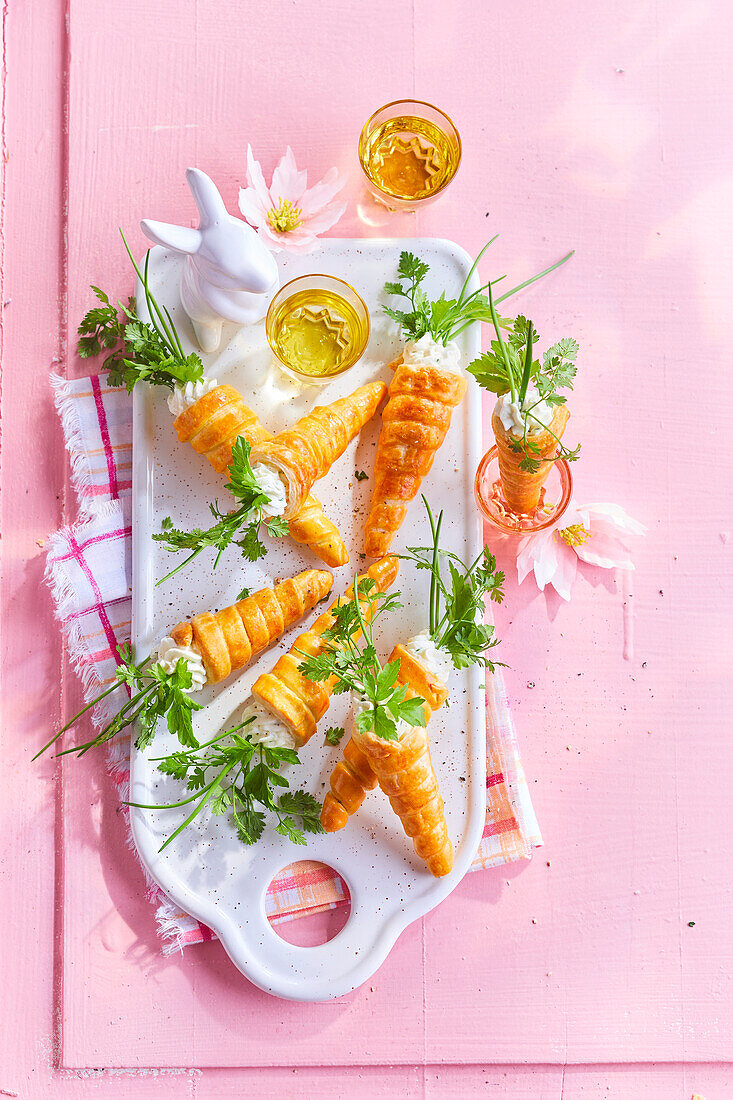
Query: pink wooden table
{"points": [[603, 127]]}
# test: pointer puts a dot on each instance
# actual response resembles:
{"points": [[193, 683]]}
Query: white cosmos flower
{"points": [[593, 533]]}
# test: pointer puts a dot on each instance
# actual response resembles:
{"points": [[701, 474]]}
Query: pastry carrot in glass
{"points": [[429, 382], [530, 416]]}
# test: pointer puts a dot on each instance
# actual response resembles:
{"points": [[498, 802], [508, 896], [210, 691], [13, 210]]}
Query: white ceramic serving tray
{"points": [[207, 871]]}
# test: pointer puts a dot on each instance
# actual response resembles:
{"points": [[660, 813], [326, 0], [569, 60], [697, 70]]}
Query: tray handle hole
{"points": [[321, 896]]}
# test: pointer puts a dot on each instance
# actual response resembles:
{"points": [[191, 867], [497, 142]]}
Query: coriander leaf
{"points": [[361, 475], [334, 734], [277, 527]]}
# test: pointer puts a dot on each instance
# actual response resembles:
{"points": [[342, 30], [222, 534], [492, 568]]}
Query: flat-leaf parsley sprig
{"points": [[351, 658], [239, 527], [231, 774], [457, 601], [155, 693], [140, 351], [445, 318], [510, 367]]}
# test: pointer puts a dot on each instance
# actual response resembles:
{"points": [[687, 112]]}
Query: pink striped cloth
{"points": [[88, 570]]}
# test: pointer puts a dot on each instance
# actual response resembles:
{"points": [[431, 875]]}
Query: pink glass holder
{"points": [[554, 498]]}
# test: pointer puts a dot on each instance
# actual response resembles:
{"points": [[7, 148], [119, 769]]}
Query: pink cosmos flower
{"points": [[289, 215], [594, 533]]}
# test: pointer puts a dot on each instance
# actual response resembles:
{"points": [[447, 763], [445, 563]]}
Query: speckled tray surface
{"points": [[207, 871]]}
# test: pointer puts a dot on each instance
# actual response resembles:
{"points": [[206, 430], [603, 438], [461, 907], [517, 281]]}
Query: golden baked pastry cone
{"points": [[300, 703], [304, 453], [414, 424], [405, 774], [212, 426], [353, 776], [230, 638], [522, 489]]}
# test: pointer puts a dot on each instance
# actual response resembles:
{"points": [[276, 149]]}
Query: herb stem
{"points": [[75, 719], [504, 355], [474, 265], [527, 364], [534, 278]]}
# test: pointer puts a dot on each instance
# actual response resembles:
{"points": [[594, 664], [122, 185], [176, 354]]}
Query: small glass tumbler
{"points": [[554, 500], [409, 152], [318, 327]]}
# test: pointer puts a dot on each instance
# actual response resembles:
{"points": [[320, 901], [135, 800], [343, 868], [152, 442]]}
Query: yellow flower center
{"points": [[284, 217], [574, 535]]}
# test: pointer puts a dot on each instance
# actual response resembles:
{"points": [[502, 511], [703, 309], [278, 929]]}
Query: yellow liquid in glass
{"points": [[409, 157], [317, 333]]}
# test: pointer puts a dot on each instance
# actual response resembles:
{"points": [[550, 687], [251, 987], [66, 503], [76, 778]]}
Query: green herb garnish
{"points": [[154, 694], [350, 656], [139, 350], [510, 367], [445, 318], [240, 527], [457, 601], [334, 734], [361, 475], [237, 778]]}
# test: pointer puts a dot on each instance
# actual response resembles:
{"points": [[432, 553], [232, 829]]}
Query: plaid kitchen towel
{"points": [[88, 570]]}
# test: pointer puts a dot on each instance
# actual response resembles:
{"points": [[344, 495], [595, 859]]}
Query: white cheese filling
{"points": [[427, 352], [183, 397], [435, 659], [270, 482], [511, 413], [169, 654], [359, 704], [265, 729]]}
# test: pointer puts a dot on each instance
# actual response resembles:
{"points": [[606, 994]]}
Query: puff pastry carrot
{"points": [[405, 773], [521, 488], [304, 453], [300, 703], [228, 640], [354, 776], [415, 421], [212, 426]]}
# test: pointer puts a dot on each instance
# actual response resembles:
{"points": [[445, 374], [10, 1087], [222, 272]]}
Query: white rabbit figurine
{"points": [[229, 274]]}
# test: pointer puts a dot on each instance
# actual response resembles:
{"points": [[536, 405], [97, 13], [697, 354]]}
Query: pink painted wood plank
{"points": [[601, 133]]}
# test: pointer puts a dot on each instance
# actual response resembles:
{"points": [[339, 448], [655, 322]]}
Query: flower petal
{"points": [[567, 567], [287, 181], [256, 180], [298, 240], [326, 218], [612, 517], [607, 551], [318, 196], [547, 564], [531, 549], [251, 207], [272, 240]]}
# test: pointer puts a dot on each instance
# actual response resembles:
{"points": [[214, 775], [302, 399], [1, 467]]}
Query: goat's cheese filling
{"points": [[427, 352], [265, 728], [183, 397], [512, 413], [270, 482], [435, 659], [169, 654]]}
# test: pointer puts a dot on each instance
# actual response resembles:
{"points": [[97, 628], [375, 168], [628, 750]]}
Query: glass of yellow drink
{"points": [[317, 327], [409, 152]]}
